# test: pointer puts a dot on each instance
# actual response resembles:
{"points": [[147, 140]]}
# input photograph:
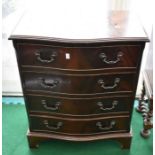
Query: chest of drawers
{"points": [[79, 87]]}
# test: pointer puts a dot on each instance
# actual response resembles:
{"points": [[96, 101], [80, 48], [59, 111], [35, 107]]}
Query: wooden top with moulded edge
{"points": [[78, 22]]}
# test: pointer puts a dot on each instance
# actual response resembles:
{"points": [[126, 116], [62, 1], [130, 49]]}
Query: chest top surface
{"points": [[78, 21]]}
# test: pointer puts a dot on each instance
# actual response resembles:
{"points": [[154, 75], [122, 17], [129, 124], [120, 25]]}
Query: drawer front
{"points": [[78, 106], [79, 58], [69, 84], [80, 126]]}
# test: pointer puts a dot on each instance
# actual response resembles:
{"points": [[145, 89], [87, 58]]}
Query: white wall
{"points": [[12, 10], [143, 8]]}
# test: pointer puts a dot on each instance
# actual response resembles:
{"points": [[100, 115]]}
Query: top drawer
{"points": [[79, 58]]}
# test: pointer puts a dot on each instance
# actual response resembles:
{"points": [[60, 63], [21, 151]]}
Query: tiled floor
{"points": [[12, 100]]}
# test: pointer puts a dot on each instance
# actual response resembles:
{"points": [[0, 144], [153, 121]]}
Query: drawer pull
{"points": [[53, 107], [47, 60], [114, 103], [105, 59], [53, 127], [103, 85], [49, 83], [100, 125]]}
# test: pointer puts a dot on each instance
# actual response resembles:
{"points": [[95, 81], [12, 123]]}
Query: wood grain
{"points": [[79, 58], [78, 61], [78, 126], [71, 25], [85, 84], [79, 106]]}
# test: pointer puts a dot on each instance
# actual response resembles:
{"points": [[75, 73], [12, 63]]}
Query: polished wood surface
{"points": [[146, 100], [79, 85], [34, 138], [79, 58], [146, 103], [77, 90], [79, 71], [78, 106], [79, 21], [79, 126]]}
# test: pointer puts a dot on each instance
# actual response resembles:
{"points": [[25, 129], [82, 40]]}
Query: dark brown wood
{"points": [[141, 99], [129, 85], [125, 142], [147, 105], [78, 106], [87, 26], [74, 126], [79, 58], [79, 80], [34, 141], [34, 138], [81, 84]]}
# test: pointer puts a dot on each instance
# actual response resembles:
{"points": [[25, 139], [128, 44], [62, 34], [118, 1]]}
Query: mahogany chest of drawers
{"points": [[79, 80]]}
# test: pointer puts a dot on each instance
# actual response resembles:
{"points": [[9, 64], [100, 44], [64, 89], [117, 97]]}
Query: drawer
{"points": [[75, 84], [79, 58], [79, 106], [79, 126]]}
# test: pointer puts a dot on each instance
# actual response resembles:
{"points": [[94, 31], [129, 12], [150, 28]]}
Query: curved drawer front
{"points": [[80, 126], [78, 106], [79, 58], [69, 84]]}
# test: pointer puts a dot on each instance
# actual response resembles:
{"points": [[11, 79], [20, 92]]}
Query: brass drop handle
{"points": [[100, 125], [47, 60], [53, 127], [53, 107], [104, 58], [48, 83], [114, 103], [103, 85]]}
